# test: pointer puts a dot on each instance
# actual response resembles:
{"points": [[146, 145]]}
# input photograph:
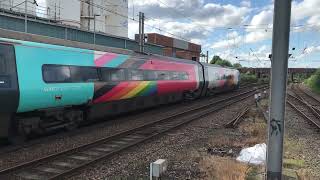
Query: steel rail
{"points": [[56, 167], [298, 91], [303, 114], [308, 106], [236, 121]]}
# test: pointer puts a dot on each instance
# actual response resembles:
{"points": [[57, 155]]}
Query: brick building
{"points": [[174, 47]]}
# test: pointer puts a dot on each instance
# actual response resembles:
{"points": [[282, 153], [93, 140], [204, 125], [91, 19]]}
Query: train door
{"points": [[9, 91], [205, 80]]}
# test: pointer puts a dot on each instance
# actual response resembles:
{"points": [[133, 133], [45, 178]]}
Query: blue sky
{"points": [[237, 30]]}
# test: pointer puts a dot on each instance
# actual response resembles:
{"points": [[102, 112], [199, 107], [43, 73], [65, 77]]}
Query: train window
{"points": [[56, 74], [183, 76], [3, 66], [117, 75], [175, 76], [217, 76], [112, 74], [151, 75], [163, 75], [135, 75], [84, 74]]}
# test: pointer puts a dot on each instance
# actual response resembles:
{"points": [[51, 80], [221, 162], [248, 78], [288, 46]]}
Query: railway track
{"points": [[64, 164], [307, 111], [306, 96], [236, 121]]}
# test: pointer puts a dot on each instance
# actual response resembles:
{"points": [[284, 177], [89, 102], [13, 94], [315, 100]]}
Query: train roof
{"points": [[138, 55], [215, 65], [67, 48], [62, 47]]}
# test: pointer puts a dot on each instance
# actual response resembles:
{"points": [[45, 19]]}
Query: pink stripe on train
{"points": [[104, 59]]}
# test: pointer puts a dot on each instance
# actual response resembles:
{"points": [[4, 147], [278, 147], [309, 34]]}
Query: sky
{"points": [[237, 30]]}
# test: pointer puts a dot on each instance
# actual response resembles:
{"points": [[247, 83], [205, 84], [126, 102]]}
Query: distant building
{"points": [[110, 17], [64, 11], [175, 47]]}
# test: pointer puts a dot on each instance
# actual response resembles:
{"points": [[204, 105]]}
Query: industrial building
{"points": [[65, 12], [54, 24], [174, 47], [110, 17]]}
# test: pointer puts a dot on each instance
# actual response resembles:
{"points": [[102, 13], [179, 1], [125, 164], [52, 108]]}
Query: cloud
{"points": [[303, 9], [190, 19], [264, 17], [253, 36], [246, 3], [308, 51], [257, 59]]}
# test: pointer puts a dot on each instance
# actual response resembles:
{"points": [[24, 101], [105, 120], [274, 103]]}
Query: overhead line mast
{"points": [[279, 72]]}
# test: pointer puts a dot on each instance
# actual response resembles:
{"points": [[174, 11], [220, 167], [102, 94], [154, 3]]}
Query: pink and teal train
{"points": [[41, 83]]}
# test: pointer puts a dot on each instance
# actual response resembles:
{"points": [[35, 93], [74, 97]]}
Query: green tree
{"points": [[314, 81], [215, 59], [237, 65], [219, 61], [224, 63]]}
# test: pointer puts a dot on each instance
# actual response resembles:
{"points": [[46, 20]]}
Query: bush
{"points": [[248, 78], [263, 80], [314, 81]]}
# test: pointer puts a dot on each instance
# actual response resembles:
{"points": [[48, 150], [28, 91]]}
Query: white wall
{"points": [[116, 24], [108, 21], [19, 6], [65, 11]]}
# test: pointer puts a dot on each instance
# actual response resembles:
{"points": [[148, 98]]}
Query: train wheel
{"points": [[17, 135], [71, 126], [188, 96], [73, 119]]}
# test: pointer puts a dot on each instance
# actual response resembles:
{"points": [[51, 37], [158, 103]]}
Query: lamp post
{"points": [[94, 28]]}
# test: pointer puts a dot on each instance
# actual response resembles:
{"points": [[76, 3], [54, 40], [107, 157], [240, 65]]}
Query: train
{"points": [[45, 86]]}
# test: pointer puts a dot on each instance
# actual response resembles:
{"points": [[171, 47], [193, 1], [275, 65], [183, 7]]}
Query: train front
{"points": [[9, 89]]}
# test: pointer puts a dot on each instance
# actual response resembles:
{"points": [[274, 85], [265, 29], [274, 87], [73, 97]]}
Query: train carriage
{"points": [[220, 79], [45, 86]]}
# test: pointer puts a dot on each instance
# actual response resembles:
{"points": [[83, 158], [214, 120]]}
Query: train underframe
{"points": [[21, 125], [18, 127]]}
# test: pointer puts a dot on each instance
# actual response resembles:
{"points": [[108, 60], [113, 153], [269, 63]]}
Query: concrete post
{"points": [[140, 31], [280, 47], [66, 33], [94, 30], [25, 16], [143, 35], [207, 57]]}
